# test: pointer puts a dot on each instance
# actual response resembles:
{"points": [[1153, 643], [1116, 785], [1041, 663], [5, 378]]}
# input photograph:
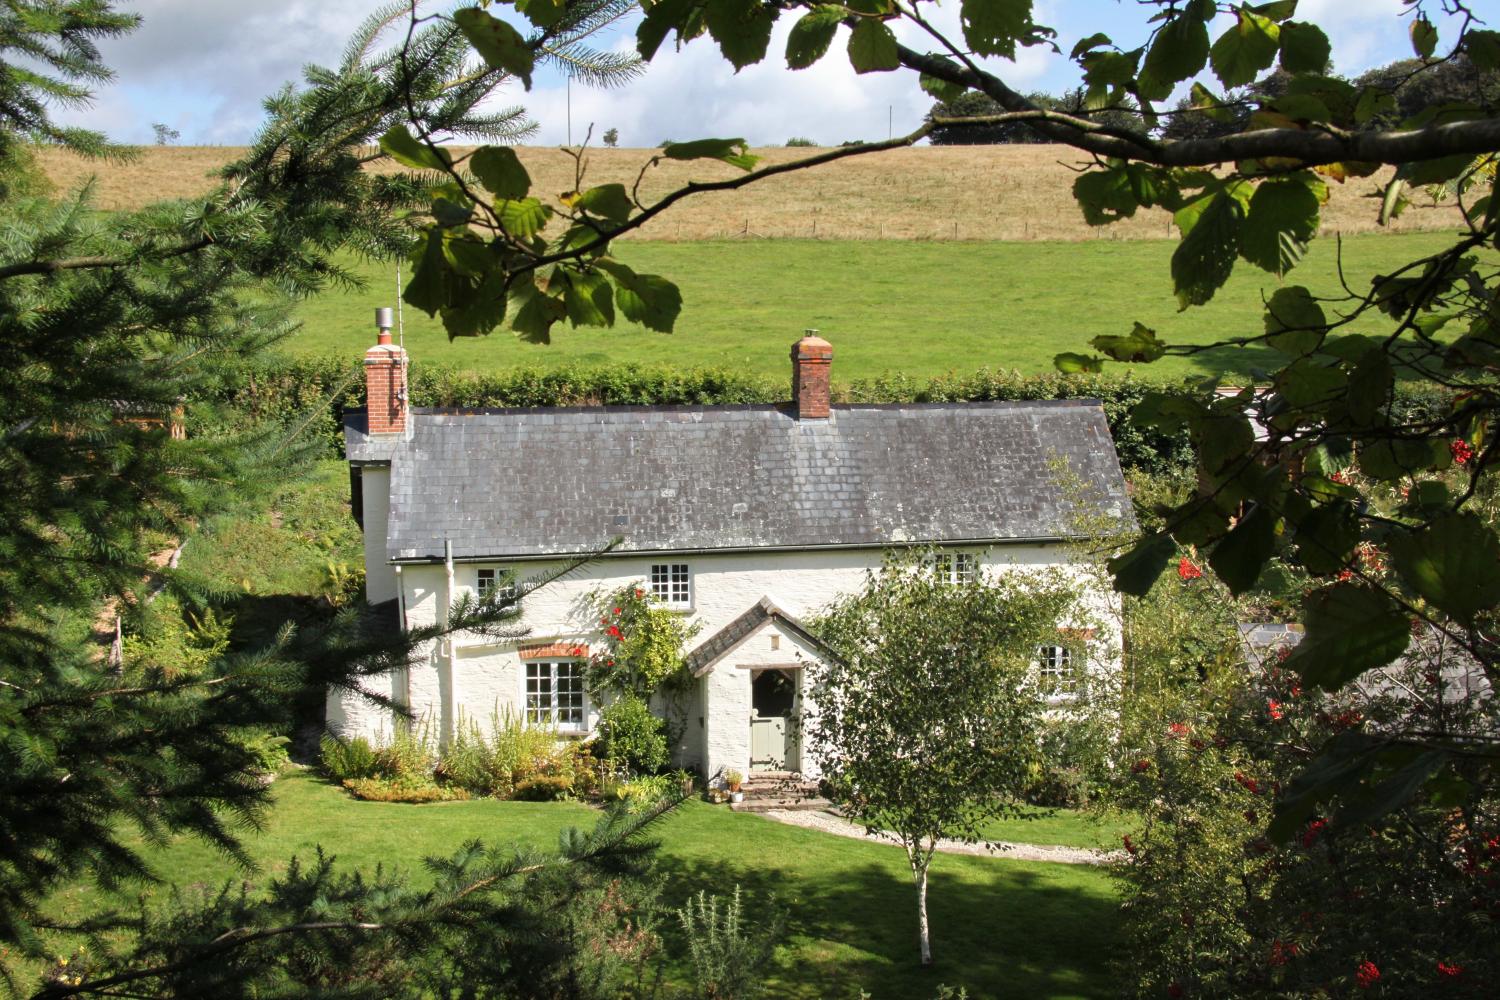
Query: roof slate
{"points": [[713, 649], [536, 482]]}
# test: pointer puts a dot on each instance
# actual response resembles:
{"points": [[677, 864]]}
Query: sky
{"points": [[203, 67]]}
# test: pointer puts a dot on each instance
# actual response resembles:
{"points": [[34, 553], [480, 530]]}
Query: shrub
{"points": [[512, 752], [800, 141], [728, 952], [342, 760], [269, 750], [403, 790], [631, 737], [544, 788]]}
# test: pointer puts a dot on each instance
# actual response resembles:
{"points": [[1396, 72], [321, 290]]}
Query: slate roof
{"points": [[521, 483], [713, 649]]}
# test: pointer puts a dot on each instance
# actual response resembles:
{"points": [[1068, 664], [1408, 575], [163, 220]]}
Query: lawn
{"points": [[1000, 927], [918, 308]]}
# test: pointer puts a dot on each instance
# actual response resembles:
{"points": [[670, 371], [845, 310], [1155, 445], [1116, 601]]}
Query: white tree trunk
{"points": [[921, 860]]}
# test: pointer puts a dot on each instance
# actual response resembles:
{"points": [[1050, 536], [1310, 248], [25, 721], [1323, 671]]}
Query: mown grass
{"points": [[1067, 827], [921, 309], [1000, 927]]}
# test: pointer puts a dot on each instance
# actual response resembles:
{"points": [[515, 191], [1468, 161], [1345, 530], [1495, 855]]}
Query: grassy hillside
{"points": [[918, 308], [925, 193]]}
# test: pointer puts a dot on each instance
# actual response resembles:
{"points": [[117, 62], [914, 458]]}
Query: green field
{"points": [[1000, 927], [917, 308]]}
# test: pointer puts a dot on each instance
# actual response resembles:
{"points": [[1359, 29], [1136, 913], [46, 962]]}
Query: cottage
{"points": [[747, 518]]}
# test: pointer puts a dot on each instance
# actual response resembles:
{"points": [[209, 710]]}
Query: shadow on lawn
{"points": [[998, 929]]}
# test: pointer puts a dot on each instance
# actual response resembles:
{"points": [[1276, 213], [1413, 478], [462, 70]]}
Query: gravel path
{"points": [[838, 826]]}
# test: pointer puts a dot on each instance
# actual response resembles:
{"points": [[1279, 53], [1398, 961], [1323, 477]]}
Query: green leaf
{"points": [[1093, 41], [1373, 101], [1202, 99], [482, 310], [942, 89], [537, 314], [992, 27], [427, 289], [1370, 385], [587, 297], [1350, 629], [1310, 384], [1294, 321], [1338, 766], [1453, 562], [1424, 38], [1389, 459], [647, 299], [742, 28], [1070, 363], [1179, 52], [403, 147], [468, 257], [1204, 259], [1136, 570], [1483, 48], [498, 44], [1138, 345], [1327, 536], [811, 36], [523, 217], [1282, 220], [1247, 48], [662, 17], [1241, 555], [1276, 10], [1368, 805], [1444, 168], [500, 171], [1105, 195], [872, 47], [542, 13], [1304, 48], [734, 152], [607, 201]]}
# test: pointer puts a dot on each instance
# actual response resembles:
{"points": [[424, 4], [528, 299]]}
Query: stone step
{"points": [[768, 803]]}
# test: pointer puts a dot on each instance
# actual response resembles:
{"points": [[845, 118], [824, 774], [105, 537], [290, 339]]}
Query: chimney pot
{"points": [[812, 356]]}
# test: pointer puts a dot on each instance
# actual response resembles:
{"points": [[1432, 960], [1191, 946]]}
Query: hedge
{"points": [[319, 388]]}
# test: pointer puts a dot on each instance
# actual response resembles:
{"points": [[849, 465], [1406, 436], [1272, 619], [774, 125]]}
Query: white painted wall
{"points": [[477, 677], [380, 575]]}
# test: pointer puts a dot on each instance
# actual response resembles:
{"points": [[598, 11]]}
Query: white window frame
{"points": [[542, 707], [1064, 664], [672, 584], [487, 582], [957, 567]]}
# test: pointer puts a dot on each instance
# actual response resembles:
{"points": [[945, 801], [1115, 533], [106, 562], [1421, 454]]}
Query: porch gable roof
{"points": [[723, 642]]}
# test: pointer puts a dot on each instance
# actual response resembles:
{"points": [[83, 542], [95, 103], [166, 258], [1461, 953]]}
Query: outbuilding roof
{"points": [[531, 483]]}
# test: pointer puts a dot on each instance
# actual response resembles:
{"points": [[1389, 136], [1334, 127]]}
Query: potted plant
{"points": [[733, 780]]}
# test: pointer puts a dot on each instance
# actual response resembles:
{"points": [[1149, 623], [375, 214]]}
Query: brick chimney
{"points": [[811, 358], [385, 381]]}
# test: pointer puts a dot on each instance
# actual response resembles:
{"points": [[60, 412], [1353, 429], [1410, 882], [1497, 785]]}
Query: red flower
{"points": [[1178, 729], [1187, 571], [1367, 975], [1450, 971], [1129, 847], [1139, 766], [609, 663], [614, 630], [1343, 478], [1281, 953], [1461, 451], [639, 593], [617, 610], [1310, 835], [1249, 784], [1345, 575], [1274, 708]]}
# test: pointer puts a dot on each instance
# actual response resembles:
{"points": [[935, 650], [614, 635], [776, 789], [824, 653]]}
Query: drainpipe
{"points": [[401, 610], [446, 735]]}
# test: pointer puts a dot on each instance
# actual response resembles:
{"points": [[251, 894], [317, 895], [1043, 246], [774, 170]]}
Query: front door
{"points": [[773, 696]]}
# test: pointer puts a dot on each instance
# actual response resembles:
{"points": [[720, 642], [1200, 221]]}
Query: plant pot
{"points": [[736, 796]]}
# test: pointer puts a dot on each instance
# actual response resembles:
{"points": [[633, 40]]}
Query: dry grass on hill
{"points": [[943, 193]]}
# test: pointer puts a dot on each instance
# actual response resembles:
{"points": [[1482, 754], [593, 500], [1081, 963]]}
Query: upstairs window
{"points": [[1057, 670], [554, 694], [956, 567], [672, 584], [493, 584]]}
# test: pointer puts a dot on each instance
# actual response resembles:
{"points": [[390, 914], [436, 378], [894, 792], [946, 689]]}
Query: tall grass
{"points": [[494, 763]]}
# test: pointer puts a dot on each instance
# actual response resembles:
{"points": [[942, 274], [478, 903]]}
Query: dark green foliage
{"points": [[730, 949], [631, 737], [345, 759]]}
